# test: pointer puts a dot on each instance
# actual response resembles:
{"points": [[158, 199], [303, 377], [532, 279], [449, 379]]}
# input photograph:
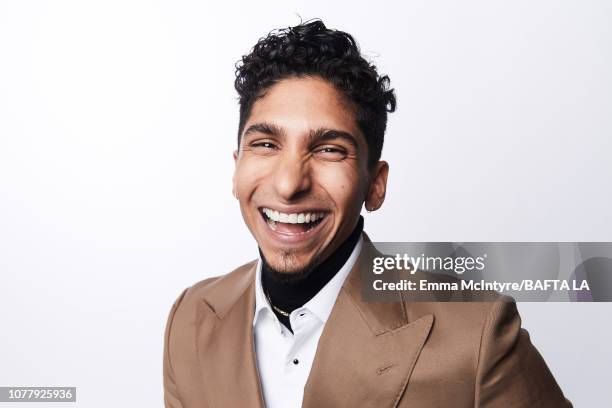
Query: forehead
{"points": [[299, 105]]}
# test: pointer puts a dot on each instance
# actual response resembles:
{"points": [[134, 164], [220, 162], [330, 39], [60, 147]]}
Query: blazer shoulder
{"points": [[214, 288]]}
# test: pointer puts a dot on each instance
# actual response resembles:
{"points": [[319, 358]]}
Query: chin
{"points": [[290, 264]]}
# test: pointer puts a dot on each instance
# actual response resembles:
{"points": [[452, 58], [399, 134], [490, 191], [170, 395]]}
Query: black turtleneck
{"points": [[290, 294]]}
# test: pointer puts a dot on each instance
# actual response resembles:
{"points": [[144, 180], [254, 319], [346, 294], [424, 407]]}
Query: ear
{"points": [[235, 155], [378, 186]]}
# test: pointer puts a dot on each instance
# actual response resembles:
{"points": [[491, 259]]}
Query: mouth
{"points": [[293, 224]]}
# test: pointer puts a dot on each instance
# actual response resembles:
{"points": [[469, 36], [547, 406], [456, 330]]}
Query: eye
{"points": [[331, 152], [263, 147]]}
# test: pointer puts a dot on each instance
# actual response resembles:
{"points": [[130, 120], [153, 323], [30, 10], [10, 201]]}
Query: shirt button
{"points": [[296, 361]]}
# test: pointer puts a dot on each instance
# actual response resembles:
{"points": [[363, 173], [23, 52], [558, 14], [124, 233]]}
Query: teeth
{"points": [[301, 218], [272, 224]]}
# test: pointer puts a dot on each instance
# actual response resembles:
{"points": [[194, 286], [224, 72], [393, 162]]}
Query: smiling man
{"points": [[291, 329]]}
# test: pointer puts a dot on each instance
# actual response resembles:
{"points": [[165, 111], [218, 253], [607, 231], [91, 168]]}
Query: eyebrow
{"points": [[323, 134], [265, 128]]}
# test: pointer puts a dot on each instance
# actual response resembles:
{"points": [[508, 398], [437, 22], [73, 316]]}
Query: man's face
{"points": [[301, 173]]}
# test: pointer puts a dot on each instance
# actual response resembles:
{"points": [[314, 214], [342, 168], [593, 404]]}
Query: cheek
{"points": [[245, 177], [344, 187]]}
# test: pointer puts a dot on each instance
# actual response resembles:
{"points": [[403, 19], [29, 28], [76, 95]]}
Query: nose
{"points": [[292, 178]]}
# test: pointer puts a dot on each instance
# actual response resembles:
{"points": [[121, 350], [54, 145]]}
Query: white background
{"points": [[117, 123]]}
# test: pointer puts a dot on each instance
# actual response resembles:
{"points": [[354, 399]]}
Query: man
{"points": [[291, 328]]}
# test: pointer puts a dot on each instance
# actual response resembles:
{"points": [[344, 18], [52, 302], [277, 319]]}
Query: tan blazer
{"points": [[370, 354]]}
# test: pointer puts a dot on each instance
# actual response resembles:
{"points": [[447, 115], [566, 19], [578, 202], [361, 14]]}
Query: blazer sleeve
{"points": [[511, 373], [171, 394]]}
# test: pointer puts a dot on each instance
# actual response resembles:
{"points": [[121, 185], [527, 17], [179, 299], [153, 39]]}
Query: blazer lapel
{"points": [[225, 342], [367, 351]]}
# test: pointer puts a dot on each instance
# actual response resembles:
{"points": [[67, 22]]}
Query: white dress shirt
{"points": [[284, 359]]}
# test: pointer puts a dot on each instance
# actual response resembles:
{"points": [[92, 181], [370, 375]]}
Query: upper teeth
{"points": [[300, 218]]}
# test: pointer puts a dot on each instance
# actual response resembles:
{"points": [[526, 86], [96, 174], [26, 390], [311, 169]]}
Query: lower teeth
{"points": [[272, 224]]}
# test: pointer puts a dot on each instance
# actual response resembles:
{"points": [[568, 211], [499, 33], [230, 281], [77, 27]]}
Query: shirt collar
{"points": [[261, 303], [322, 303]]}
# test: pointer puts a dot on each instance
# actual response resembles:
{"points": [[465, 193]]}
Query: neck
{"points": [[290, 294]]}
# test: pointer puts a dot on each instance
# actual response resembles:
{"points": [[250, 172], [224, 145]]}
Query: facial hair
{"points": [[286, 271]]}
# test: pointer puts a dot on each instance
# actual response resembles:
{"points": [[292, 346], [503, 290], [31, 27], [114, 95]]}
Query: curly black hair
{"points": [[311, 49]]}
